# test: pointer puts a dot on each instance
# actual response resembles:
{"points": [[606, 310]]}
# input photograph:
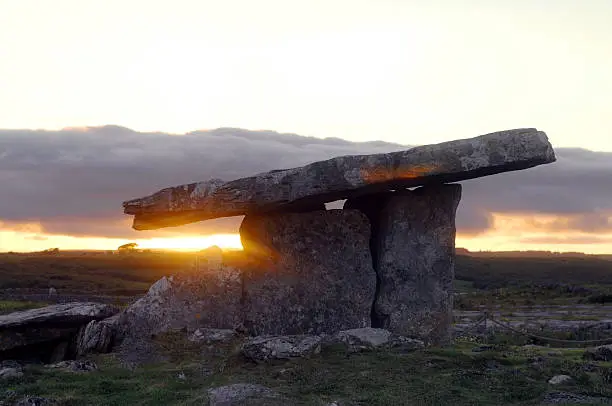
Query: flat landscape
{"points": [[559, 297]]}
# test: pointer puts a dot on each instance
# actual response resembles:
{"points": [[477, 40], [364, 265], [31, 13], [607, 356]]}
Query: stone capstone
{"points": [[413, 249], [313, 272], [308, 187], [212, 335]]}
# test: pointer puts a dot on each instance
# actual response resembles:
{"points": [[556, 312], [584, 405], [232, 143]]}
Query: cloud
{"points": [[73, 181]]}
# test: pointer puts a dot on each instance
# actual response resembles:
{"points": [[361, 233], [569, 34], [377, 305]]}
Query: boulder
{"points": [[212, 335], [308, 187], [10, 373], [283, 347], [47, 333], [190, 301], [75, 366], [560, 380], [413, 249], [601, 353], [313, 272], [97, 336], [369, 339]]}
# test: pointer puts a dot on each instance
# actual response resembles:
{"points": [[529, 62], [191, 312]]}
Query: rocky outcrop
{"points": [[413, 248], [344, 177], [48, 333], [313, 272]]}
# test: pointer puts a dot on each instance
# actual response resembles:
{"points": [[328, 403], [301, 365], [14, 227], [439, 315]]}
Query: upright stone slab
{"points": [[313, 273], [413, 245]]}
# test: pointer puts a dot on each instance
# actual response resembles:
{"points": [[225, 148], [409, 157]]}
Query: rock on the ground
{"points": [[191, 301], [212, 335], [10, 373], [75, 366], [565, 398], [49, 329], [97, 336], [283, 347], [241, 393], [35, 401], [343, 177], [413, 244], [560, 379], [313, 273], [601, 353], [368, 339]]}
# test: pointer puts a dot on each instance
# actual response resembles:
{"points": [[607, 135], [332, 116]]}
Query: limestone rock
{"points": [[560, 379], [314, 273], [190, 301], [413, 244], [212, 335], [283, 347], [97, 336], [50, 324], [368, 339], [601, 353], [243, 394], [10, 373], [35, 401], [344, 177], [75, 366]]}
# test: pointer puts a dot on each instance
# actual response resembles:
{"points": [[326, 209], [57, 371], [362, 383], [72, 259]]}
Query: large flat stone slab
{"points": [[307, 187], [313, 272], [413, 245], [29, 331]]}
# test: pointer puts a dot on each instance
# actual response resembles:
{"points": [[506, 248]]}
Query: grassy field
{"points": [[505, 375], [509, 373]]}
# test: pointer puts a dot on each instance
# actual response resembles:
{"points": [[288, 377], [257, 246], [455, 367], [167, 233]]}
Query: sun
{"points": [[224, 241]]}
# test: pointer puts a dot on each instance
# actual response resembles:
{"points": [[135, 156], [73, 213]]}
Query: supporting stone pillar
{"points": [[413, 249], [313, 272]]}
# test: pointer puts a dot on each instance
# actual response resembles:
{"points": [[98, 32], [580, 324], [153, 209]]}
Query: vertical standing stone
{"points": [[413, 248], [313, 273]]}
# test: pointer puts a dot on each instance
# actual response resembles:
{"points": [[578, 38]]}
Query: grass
{"points": [[454, 375], [9, 306]]}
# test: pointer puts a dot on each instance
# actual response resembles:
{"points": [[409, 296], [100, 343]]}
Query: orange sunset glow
{"points": [[508, 233]]}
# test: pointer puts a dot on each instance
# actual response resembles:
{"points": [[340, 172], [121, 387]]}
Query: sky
{"points": [[132, 95]]}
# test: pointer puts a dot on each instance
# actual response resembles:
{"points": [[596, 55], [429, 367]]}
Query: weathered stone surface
{"points": [[10, 373], [49, 324], [75, 366], [314, 273], [191, 301], [243, 394], [97, 336], [560, 379], [212, 335], [601, 353], [300, 189], [368, 339], [413, 245], [282, 347]]}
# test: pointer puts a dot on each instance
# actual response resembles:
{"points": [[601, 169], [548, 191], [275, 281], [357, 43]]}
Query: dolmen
{"points": [[386, 260]]}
